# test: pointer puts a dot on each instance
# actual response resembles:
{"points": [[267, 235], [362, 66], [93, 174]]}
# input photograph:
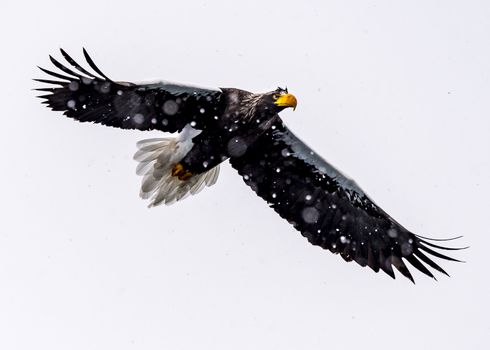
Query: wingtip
{"points": [[442, 247], [440, 239], [93, 65], [43, 89], [389, 272], [63, 52]]}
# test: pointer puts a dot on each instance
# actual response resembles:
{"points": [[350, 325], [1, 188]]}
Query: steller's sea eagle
{"points": [[216, 125]]}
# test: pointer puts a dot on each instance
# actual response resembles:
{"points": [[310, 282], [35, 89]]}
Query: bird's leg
{"points": [[179, 171]]}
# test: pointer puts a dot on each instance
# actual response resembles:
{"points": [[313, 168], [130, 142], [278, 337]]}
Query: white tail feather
{"points": [[156, 159]]}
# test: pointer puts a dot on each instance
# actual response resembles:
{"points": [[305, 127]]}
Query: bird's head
{"points": [[280, 99]]}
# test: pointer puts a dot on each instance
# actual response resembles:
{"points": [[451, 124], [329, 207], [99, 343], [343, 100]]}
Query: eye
{"points": [[275, 96]]}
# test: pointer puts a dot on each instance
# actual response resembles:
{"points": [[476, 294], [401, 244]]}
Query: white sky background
{"points": [[395, 94]]}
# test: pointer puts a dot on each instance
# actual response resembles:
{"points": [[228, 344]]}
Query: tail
{"points": [[156, 159]]}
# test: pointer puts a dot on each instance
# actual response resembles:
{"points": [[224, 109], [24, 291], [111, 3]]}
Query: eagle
{"points": [[215, 125]]}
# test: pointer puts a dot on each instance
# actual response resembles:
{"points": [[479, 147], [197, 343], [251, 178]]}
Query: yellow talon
{"points": [[185, 175], [177, 170]]}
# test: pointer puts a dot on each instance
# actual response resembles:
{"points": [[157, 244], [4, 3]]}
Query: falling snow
{"points": [[392, 233], [170, 107], [138, 118], [310, 215], [406, 249], [105, 88], [73, 86]]}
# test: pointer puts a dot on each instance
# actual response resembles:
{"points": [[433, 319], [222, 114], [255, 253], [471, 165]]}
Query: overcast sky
{"points": [[395, 94]]}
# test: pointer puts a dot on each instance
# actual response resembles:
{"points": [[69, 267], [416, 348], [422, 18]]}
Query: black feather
{"points": [[400, 266], [56, 75], [440, 239], [429, 262], [441, 247], [76, 65], [418, 265], [55, 82], [436, 254], [92, 64], [64, 69]]}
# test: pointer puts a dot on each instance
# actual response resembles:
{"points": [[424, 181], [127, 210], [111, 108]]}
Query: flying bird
{"points": [[216, 125]]}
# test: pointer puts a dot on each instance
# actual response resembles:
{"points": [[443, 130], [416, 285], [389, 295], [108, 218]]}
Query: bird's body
{"points": [[216, 125], [240, 119]]}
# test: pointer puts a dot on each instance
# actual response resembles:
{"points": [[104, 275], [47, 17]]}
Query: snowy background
{"points": [[395, 94]]}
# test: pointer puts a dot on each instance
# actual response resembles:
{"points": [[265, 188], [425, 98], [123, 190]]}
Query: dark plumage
{"points": [[329, 209], [158, 106]]}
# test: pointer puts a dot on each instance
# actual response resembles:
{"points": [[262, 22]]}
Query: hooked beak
{"points": [[286, 100]]}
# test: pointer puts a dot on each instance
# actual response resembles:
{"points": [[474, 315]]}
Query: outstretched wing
{"points": [[93, 97], [328, 208]]}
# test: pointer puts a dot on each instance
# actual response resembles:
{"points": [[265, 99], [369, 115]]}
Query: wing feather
{"points": [[83, 96], [64, 69], [328, 208], [93, 66], [76, 65]]}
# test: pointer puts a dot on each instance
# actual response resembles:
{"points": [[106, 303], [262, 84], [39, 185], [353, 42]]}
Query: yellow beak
{"points": [[286, 100]]}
